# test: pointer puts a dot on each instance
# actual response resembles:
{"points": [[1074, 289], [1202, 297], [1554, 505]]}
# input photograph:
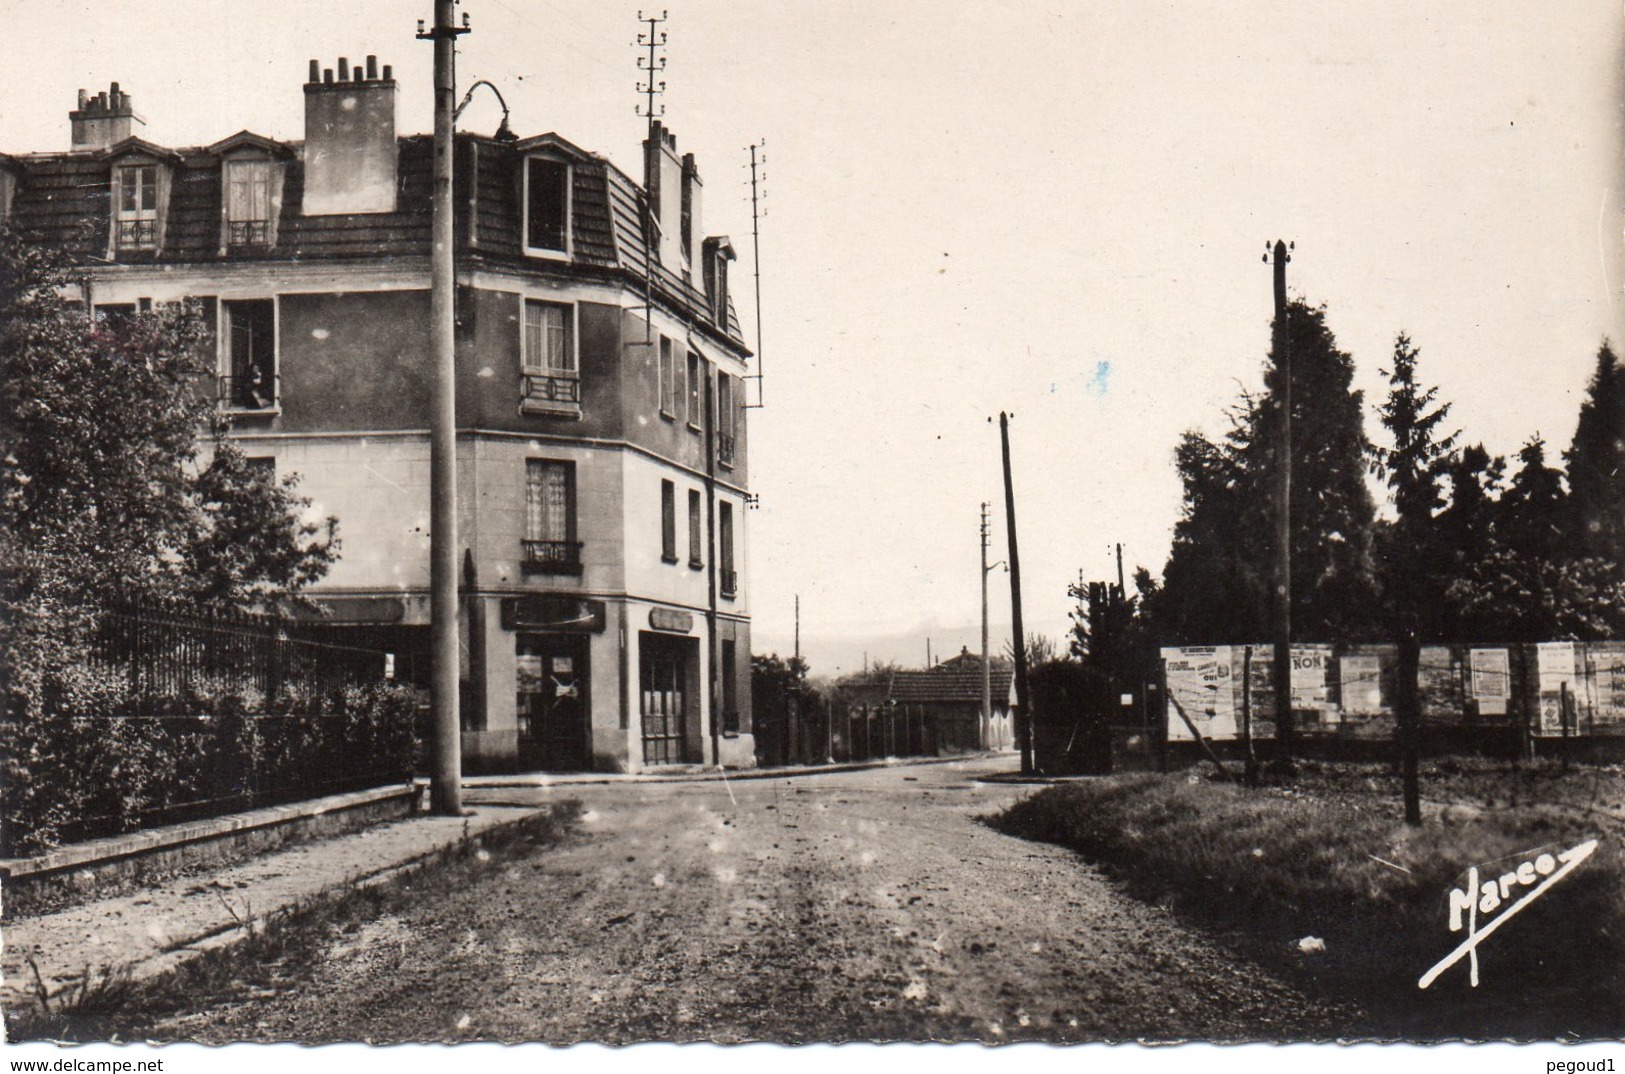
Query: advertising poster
{"points": [[1490, 680], [1311, 684], [1554, 669], [1199, 678], [1438, 684], [1361, 677]]}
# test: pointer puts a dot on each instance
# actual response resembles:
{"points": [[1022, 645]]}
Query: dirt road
{"points": [[867, 906]]}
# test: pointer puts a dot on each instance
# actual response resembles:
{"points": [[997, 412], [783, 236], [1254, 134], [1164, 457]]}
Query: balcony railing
{"points": [[137, 234], [551, 557], [725, 449], [553, 387], [248, 233], [730, 582], [250, 391]]}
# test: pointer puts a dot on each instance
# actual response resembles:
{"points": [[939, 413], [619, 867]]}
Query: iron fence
{"points": [[176, 716]]}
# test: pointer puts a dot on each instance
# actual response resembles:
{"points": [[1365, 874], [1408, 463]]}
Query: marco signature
{"points": [[1537, 875]]}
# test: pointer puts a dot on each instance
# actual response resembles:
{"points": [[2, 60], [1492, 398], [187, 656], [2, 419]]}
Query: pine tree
{"points": [[1220, 571], [1596, 462], [1415, 562]]}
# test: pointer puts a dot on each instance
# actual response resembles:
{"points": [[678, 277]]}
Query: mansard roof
{"points": [[64, 199]]}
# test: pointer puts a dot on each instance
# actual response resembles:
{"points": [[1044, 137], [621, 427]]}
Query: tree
{"points": [[101, 495], [1596, 463], [1532, 582], [1220, 572], [1415, 562], [253, 545]]}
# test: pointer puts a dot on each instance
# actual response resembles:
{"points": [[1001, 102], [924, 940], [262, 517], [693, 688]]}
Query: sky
{"points": [[1053, 209]]}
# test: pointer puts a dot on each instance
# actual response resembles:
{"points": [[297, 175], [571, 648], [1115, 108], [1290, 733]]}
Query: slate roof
{"points": [[64, 199]]}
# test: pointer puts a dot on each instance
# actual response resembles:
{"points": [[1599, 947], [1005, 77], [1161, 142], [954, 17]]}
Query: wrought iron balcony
{"points": [[552, 387], [725, 449], [138, 234], [730, 582], [551, 557], [241, 233], [250, 391]]}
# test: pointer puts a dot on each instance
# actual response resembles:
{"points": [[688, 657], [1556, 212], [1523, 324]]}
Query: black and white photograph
{"points": [[1045, 528]]}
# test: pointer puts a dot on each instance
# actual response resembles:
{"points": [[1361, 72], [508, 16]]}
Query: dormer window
{"points": [[547, 206], [248, 203], [718, 252], [136, 217], [252, 172]]}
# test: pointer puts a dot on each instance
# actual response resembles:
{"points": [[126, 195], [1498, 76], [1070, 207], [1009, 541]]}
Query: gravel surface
{"points": [[851, 906]]}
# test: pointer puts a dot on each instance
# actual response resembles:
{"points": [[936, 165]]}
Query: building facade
{"points": [[601, 373]]}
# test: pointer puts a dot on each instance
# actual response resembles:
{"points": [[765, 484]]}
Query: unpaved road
{"points": [[867, 905]]}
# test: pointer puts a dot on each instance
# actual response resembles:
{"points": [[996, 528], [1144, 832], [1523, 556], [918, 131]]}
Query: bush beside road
{"points": [[1328, 859]]}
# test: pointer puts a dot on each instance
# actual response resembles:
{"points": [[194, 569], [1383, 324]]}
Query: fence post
{"points": [[1408, 716]]}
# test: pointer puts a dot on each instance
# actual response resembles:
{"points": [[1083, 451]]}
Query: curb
{"points": [[150, 967], [714, 776]]}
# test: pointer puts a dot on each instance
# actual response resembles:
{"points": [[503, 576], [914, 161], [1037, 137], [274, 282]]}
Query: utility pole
{"points": [[1281, 344], [447, 785], [798, 628], [1122, 587], [987, 672], [758, 192], [1024, 725]]}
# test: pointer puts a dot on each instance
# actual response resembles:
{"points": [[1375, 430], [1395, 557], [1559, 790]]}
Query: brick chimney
{"points": [[663, 179], [103, 120], [350, 149]]}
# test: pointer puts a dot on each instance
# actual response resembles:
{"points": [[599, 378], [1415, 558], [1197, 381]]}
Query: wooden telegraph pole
{"points": [[1281, 344], [447, 785], [1024, 725]]}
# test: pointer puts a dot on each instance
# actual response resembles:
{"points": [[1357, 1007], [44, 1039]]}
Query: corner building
{"points": [[601, 446]]}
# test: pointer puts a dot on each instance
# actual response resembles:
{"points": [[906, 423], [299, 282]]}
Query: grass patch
{"points": [[277, 948], [1328, 856]]}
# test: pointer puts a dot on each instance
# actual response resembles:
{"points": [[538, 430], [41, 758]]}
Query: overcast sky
{"points": [[1056, 209]]}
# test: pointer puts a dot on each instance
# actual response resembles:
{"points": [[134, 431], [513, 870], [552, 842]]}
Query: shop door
{"points": [[554, 728], [666, 700]]}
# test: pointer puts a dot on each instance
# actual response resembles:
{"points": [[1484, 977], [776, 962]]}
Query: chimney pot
{"points": [[327, 75], [315, 71], [389, 72], [113, 89], [84, 99], [344, 69], [359, 75], [372, 67]]}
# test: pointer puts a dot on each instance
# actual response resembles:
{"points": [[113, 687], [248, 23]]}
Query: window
{"points": [[720, 291], [550, 544], [694, 385], [250, 381], [725, 538], [696, 537], [687, 225], [547, 205], [248, 203], [726, 417], [136, 202], [730, 687], [548, 360], [668, 379], [668, 522]]}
